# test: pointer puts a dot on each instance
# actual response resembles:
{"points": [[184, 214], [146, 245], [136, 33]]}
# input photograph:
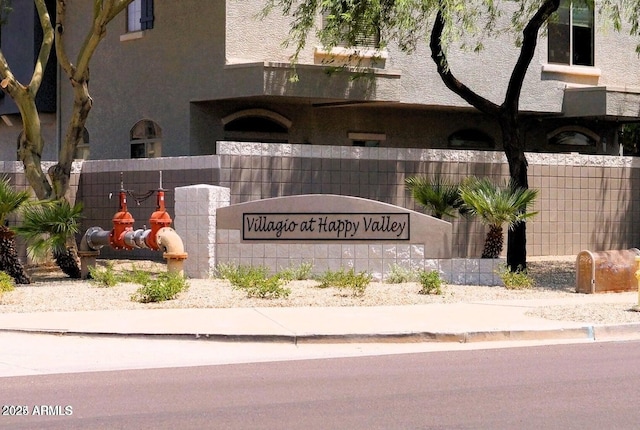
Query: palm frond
{"points": [[497, 205], [47, 225], [10, 199], [436, 194]]}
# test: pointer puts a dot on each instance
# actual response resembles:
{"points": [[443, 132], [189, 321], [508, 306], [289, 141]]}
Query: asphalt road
{"points": [[579, 386]]}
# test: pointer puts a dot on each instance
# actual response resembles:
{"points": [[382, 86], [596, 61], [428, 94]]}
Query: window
{"points": [[140, 15], [365, 35], [145, 138], [82, 149], [367, 139], [256, 125], [574, 139], [362, 47], [571, 34], [471, 138]]}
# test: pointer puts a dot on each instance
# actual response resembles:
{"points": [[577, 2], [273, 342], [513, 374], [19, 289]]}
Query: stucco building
{"points": [[191, 73], [178, 79]]}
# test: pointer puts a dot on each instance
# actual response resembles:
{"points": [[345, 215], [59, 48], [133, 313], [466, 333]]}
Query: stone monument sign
{"points": [[331, 231]]}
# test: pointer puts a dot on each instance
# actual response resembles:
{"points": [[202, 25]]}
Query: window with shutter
{"points": [[366, 37], [140, 15]]}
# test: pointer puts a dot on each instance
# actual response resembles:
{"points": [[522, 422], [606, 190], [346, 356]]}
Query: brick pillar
{"points": [[195, 222]]}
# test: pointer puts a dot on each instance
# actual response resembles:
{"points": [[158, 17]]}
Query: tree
{"points": [[104, 11], [405, 21], [495, 206], [31, 142], [10, 201], [507, 114]]}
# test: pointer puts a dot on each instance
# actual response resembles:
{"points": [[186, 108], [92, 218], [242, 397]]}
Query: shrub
{"points": [[6, 283], [254, 281], [518, 280], [239, 274], [431, 282], [135, 276], [356, 282], [271, 287], [165, 287], [103, 277], [297, 273], [398, 275]]}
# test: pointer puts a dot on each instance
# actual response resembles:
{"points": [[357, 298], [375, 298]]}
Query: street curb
{"points": [[589, 332], [629, 330]]}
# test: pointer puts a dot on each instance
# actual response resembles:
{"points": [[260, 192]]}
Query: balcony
{"points": [[320, 82]]}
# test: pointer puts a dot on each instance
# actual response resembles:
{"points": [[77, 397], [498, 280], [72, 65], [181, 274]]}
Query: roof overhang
{"points": [[318, 83], [619, 104]]}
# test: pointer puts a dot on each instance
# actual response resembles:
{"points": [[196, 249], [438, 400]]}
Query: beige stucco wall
{"points": [[205, 60], [253, 39], [154, 76]]}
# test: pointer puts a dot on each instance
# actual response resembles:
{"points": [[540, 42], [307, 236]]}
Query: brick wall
{"points": [[585, 201]]}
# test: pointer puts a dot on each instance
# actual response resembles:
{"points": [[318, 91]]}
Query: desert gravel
{"points": [[555, 278]]}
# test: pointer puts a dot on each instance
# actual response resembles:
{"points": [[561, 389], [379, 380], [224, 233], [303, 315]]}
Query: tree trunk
{"points": [[9, 261], [31, 144], [68, 261], [493, 243], [61, 172], [514, 150]]}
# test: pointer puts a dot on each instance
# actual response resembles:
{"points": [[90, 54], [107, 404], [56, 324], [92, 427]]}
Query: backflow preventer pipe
{"points": [[159, 237]]}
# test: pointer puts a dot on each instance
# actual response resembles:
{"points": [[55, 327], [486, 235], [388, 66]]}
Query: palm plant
{"points": [[10, 201], [436, 194], [50, 227], [495, 206]]}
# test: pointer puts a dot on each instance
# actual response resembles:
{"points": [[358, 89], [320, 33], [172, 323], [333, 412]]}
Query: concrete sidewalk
{"points": [[458, 322]]}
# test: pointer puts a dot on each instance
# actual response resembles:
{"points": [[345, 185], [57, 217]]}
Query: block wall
{"points": [[586, 202]]}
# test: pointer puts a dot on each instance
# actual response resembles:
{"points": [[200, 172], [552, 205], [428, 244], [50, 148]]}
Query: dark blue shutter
{"points": [[146, 20]]}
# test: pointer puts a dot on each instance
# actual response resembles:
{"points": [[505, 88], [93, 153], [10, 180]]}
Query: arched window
{"points": [[82, 149], [575, 137], [146, 139], [256, 125], [471, 138]]}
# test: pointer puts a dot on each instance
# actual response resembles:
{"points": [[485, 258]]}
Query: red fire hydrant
{"points": [[122, 223], [159, 219]]}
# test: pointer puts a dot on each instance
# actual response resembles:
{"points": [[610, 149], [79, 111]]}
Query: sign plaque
{"points": [[325, 226]]}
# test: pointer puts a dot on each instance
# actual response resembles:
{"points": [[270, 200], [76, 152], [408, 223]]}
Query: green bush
{"points": [[103, 277], [346, 279], [240, 274], [271, 287], [518, 280], [399, 275], [6, 283], [135, 276], [297, 273], [255, 281], [165, 287], [431, 282]]}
